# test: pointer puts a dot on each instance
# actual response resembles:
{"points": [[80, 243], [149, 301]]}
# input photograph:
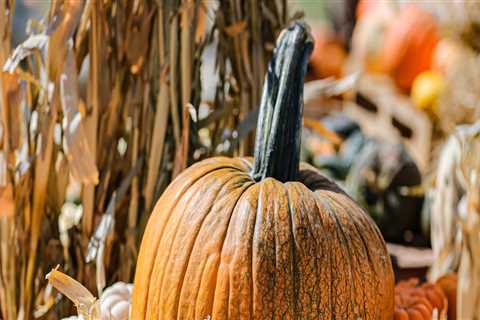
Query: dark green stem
{"points": [[277, 145]]}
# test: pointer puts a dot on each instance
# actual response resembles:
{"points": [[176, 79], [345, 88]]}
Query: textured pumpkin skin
{"points": [[219, 244]]}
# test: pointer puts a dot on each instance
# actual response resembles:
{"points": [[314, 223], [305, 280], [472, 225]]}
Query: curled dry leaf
{"points": [[86, 304]]}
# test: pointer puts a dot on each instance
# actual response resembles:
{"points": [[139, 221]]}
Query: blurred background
{"points": [[104, 102]]}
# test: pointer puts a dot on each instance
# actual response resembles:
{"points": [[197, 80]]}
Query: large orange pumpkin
{"points": [[409, 45], [269, 238]]}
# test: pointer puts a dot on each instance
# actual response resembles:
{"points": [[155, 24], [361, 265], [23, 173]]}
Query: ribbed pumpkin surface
{"points": [[220, 244]]}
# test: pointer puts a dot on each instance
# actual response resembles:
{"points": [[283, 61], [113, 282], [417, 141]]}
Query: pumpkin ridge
{"points": [[333, 261], [254, 236], [387, 264], [369, 258], [363, 220], [158, 256], [346, 249], [245, 189], [364, 248], [331, 299], [159, 292], [322, 236], [318, 243], [227, 182], [294, 259], [303, 208], [184, 188]]}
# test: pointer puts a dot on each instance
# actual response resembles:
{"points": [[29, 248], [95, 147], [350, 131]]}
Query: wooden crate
{"points": [[384, 113]]}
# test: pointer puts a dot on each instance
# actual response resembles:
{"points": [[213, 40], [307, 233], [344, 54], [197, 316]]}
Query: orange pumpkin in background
{"points": [[409, 45], [373, 20], [328, 54], [364, 7], [448, 283], [418, 302]]}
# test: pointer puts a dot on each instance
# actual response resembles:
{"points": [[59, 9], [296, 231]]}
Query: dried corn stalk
{"points": [[456, 218], [95, 101]]}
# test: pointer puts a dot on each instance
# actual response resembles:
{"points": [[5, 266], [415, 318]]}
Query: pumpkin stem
{"points": [[277, 144]]}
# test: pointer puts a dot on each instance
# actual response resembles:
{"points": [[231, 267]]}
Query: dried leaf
{"points": [[28, 47], [63, 24], [13, 94], [86, 303], [79, 155], [235, 29], [201, 23], [156, 146], [7, 201], [181, 158], [138, 35]]}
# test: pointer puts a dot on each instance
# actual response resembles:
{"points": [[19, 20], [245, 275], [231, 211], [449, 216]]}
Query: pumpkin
{"points": [[115, 301], [369, 34], [418, 302], [448, 284], [427, 89], [263, 238], [364, 7], [328, 55], [409, 45]]}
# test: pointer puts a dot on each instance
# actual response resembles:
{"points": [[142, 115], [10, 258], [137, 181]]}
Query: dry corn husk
{"points": [[456, 218], [114, 304]]}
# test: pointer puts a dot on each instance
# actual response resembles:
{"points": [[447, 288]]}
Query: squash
{"points": [[115, 301], [328, 55], [381, 179], [374, 19], [448, 284], [409, 45], [427, 89], [263, 238], [418, 302]]}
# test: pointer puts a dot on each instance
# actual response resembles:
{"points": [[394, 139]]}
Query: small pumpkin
{"points": [[409, 45], [328, 55], [448, 284], [427, 89], [263, 238], [418, 302], [115, 301]]}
